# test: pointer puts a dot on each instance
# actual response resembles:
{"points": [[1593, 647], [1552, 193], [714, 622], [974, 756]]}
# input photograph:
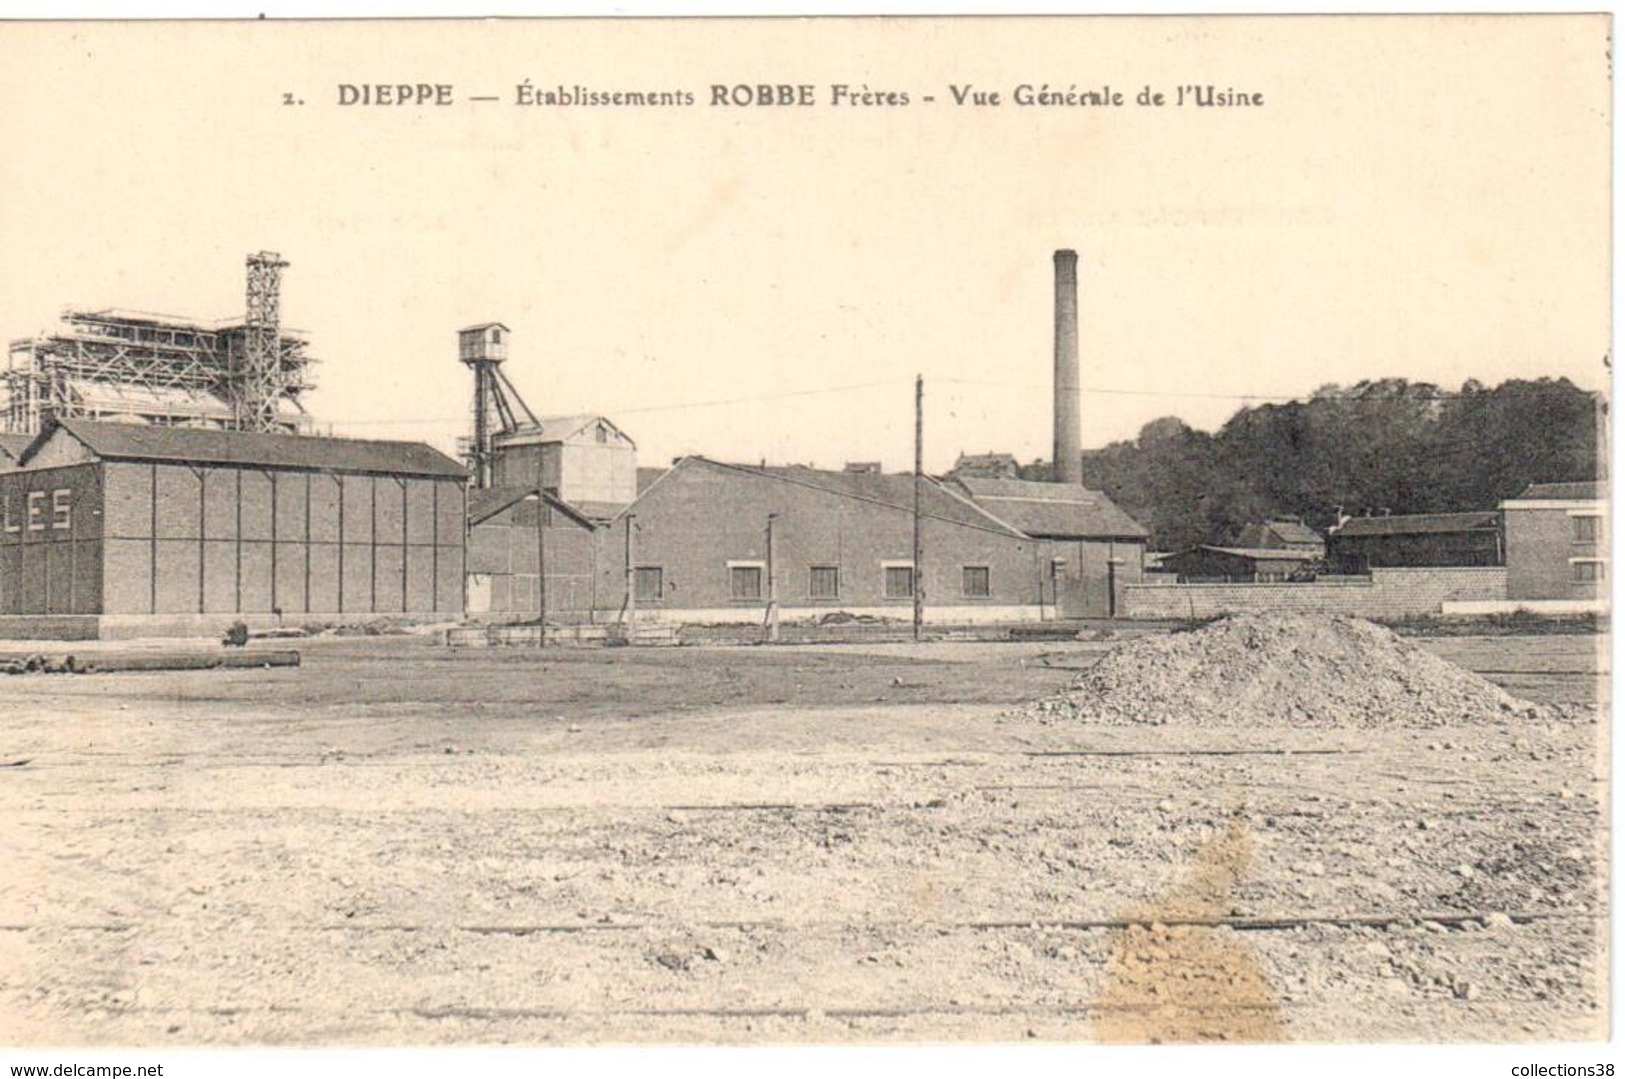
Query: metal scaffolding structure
{"points": [[246, 374]]}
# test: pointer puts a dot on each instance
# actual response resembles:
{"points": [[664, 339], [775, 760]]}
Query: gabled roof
{"points": [[555, 429], [486, 502], [1420, 523], [896, 491], [195, 445], [1051, 509], [1293, 532], [1259, 554], [12, 446], [482, 326], [1577, 490]]}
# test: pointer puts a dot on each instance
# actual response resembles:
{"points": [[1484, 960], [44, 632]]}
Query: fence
{"points": [[1387, 593]]}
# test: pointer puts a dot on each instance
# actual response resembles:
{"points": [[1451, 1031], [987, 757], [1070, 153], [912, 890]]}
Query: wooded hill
{"points": [[1389, 445]]}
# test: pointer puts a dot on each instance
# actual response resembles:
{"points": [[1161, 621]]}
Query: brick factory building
{"points": [[709, 542], [111, 529]]}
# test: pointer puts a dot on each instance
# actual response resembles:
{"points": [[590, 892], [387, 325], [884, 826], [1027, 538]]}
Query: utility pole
{"points": [[631, 604], [772, 581], [541, 556], [919, 470]]}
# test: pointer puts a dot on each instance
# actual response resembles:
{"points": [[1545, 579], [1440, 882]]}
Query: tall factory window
{"points": [[1586, 528], [900, 581], [650, 583], [1588, 570], [745, 580], [824, 582], [975, 582]]}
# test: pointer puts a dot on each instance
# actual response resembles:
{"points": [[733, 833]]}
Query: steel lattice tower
{"points": [[258, 382]]}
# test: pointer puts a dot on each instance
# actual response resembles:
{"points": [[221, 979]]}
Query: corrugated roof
{"points": [[128, 441], [1420, 523], [1559, 492], [1052, 509]]}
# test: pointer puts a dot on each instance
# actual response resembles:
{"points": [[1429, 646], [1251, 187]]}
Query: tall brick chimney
{"points": [[1067, 460]]}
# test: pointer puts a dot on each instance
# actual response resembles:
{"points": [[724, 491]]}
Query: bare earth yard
{"points": [[403, 844]]}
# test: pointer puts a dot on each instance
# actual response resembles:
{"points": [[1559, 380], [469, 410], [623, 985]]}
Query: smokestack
{"points": [[1067, 460]]}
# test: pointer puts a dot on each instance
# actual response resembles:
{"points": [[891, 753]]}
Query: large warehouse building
{"points": [[113, 529], [710, 542]]}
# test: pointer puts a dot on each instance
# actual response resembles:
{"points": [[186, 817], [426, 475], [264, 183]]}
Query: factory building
{"points": [[113, 529], [715, 542], [711, 542]]}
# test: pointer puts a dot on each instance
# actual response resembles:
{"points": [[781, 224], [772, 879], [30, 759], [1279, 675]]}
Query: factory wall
{"points": [[502, 567], [183, 539], [702, 521], [1087, 578], [579, 471], [51, 541]]}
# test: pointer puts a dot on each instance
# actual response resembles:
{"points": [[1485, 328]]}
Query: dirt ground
{"points": [[403, 844]]}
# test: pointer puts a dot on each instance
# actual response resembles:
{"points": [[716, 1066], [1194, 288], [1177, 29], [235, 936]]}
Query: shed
{"points": [[1361, 544], [1238, 564]]}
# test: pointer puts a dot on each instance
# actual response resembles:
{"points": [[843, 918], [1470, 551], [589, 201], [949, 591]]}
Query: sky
{"points": [[1417, 198]]}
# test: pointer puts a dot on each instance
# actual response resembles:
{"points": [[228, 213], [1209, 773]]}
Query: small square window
{"points": [[824, 582], [1589, 572], [650, 583], [899, 582], [1586, 529], [975, 582], [745, 582]]}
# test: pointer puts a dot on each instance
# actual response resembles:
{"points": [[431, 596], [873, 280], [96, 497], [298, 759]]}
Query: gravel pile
{"points": [[1287, 670]]}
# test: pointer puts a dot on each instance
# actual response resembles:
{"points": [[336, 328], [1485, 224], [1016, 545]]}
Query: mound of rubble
{"points": [[1262, 670]]}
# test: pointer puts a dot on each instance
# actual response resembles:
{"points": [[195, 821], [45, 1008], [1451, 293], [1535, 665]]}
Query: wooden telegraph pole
{"points": [[541, 556], [919, 470]]}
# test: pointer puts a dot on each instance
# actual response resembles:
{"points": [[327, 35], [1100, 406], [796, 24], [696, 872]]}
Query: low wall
{"points": [[119, 627], [1387, 593]]}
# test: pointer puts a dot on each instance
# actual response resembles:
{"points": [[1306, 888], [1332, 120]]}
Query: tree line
{"points": [[1385, 446]]}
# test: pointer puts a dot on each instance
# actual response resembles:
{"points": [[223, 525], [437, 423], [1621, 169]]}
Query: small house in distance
{"points": [[1282, 534], [1237, 565], [987, 466], [1557, 542], [1361, 544]]}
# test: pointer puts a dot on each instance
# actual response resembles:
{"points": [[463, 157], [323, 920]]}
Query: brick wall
{"points": [[1388, 593]]}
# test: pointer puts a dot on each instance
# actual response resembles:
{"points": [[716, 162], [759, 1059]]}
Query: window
{"points": [[1587, 529], [650, 583], [1588, 571], [900, 581], [824, 582], [496, 337], [975, 582], [745, 582], [603, 434]]}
